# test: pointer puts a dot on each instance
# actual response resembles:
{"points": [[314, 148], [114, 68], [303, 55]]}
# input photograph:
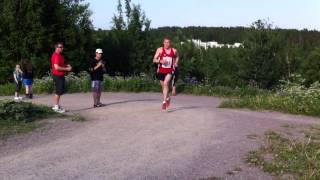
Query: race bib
{"points": [[167, 62]]}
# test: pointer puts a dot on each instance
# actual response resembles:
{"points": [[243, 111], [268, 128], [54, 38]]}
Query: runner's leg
{"points": [[166, 87]]}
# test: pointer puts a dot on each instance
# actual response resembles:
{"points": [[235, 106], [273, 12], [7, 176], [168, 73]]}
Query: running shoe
{"points": [[164, 105], [58, 109], [100, 105], [168, 102], [16, 98]]}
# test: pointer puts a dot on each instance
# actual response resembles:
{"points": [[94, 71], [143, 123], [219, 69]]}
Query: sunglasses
{"points": [[60, 46]]}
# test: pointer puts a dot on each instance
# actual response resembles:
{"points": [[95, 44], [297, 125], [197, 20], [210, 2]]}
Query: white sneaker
{"points": [[16, 98], [58, 109]]}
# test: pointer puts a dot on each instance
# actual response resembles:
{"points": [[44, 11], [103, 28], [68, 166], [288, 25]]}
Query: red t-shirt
{"points": [[57, 58]]}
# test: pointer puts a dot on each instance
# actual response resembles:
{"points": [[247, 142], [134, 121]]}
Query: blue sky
{"points": [[297, 14]]}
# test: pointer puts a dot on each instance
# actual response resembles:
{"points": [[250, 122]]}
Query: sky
{"points": [[288, 14]]}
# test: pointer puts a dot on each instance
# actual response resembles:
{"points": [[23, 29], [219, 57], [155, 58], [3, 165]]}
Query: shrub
{"points": [[12, 111]]}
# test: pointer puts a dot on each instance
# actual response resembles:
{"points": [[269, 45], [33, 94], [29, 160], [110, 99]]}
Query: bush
{"points": [[11, 111], [7, 89], [82, 83], [292, 97]]}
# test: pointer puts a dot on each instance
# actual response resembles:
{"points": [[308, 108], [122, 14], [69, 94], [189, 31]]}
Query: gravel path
{"points": [[132, 138]]}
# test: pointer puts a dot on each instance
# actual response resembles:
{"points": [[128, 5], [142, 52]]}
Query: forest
{"points": [[29, 29]]}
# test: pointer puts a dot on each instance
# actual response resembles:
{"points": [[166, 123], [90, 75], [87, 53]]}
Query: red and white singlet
{"points": [[168, 59]]}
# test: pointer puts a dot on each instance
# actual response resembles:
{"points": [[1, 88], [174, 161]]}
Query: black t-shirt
{"points": [[96, 75], [27, 73]]}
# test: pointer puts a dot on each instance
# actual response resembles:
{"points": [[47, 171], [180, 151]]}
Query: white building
{"points": [[214, 44]]}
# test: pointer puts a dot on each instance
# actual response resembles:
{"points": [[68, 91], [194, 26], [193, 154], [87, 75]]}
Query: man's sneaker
{"points": [[58, 109], [100, 105], [164, 105], [168, 102], [16, 98]]}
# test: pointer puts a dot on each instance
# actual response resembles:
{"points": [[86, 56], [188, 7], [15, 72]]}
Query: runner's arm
{"points": [[156, 58], [177, 59]]}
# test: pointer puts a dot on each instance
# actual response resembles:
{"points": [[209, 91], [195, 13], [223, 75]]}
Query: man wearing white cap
{"points": [[96, 69]]}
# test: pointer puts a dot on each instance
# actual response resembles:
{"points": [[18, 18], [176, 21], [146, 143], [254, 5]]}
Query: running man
{"points": [[59, 68], [175, 77], [97, 69], [166, 57]]}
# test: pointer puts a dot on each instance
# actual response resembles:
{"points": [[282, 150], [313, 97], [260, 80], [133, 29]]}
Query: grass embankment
{"points": [[82, 83], [21, 117], [288, 158], [286, 104], [290, 98]]}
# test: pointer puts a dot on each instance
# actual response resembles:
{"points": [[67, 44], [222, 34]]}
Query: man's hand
{"points": [[69, 67]]}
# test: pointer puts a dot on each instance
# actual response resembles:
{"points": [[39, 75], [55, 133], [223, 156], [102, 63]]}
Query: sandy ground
{"points": [[132, 138]]}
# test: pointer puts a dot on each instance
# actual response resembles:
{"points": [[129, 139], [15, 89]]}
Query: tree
{"points": [[128, 44], [28, 29], [260, 62], [311, 66]]}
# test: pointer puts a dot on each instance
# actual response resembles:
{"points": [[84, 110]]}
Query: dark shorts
{"points": [[59, 83], [18, 86], [162, 76], [96, 86]]}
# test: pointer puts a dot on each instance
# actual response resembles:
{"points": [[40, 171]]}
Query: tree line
{"points": [[29, 28]]}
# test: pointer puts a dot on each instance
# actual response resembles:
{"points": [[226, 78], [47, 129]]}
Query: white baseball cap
{"points": [[99, 51]]}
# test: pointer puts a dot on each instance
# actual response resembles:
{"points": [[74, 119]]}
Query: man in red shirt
{"points": [[58, 74], [167, 59]]}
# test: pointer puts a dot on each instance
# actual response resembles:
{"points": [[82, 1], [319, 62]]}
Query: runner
{"points": [[96, 69], [166, 58], [58, 74], [175, 77]]}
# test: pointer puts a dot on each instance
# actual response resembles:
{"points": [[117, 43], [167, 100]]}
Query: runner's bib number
{"points": [[167, 62]]}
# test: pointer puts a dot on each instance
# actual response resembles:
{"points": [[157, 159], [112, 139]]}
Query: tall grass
{"points": [[82, 83], [290, 98]]}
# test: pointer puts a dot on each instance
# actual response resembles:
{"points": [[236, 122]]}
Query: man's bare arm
{"points": [[156, 59], [177, 58], [59, 68]]}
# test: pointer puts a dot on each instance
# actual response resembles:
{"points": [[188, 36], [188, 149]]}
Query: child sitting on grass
{"points": [[17, 75]]}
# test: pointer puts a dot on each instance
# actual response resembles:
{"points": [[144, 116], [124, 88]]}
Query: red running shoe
{"points": [[168, 102], [164, 105]]}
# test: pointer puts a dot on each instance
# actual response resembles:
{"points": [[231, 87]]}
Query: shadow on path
{"points": [[116, 103], [182, 108]]}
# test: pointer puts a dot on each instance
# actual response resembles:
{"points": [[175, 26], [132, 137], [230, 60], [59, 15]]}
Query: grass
{"points": [[8, 129], [82, 83], [78, 118], [21, 117], [286, 104], [283, 157]]}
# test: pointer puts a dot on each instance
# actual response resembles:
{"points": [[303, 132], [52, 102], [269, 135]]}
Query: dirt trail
{"points": [[131, 138]]}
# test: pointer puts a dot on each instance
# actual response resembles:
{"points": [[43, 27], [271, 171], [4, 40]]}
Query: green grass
{"points": [[21, 117], [82, 83], [282, 157], [286, 104]]}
